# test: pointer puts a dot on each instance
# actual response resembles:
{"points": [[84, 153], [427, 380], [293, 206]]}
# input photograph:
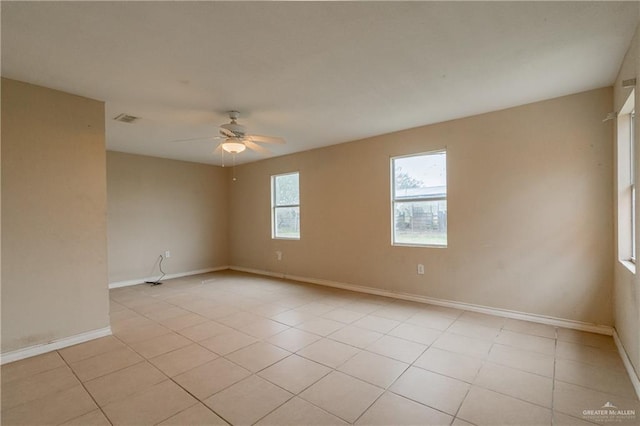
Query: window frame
{"points": [[626, 184], [275, 207], [395, 200]]}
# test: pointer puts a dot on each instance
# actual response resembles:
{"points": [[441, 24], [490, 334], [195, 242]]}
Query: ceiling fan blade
{"points": [[265, 139], [227, 133], [257, 148]]}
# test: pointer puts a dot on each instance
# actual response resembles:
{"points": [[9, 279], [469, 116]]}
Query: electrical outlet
{"points": [[420, 269], [279, 255], [167, 254]]}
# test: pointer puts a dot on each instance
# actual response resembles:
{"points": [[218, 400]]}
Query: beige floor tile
{"points": [[297, 412], [239, 319], [150, 406], [130, 325], [343, 315], [292, 317], [183, 359], [528, 327], [219, 311], [248, 400], [521, 359], [197, 414], [477, 331], [589, 355], [106, 363], [320, 326], [30, 366], [258, 356], [37, 386], [269, 309], [374, 323], [166, 313], [228, 342], [395, 312], [482, 319], [264, 328], [430, 319], [516, 383], [527, 342], [355, 336], [560, 419], [91, 348], [459, 422], [153, 306], [123, 314], [342, 395], [328, 352], [416, 333], [484, 407], [56, 408], [437, 391], [122, 383], [159, 345], [295, 373], [458, 366], [373, 368], [573, 400], [212, 377], [316, 308], [392, 409], [584, 338], [93, 418], [184, 321], [605, 380], [443, 310], [141, 333], [400, 349], [463, 345], [204, 330], [293, 339]]}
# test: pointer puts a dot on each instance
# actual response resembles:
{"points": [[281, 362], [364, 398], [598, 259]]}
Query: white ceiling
{"points": [[314, 73]]}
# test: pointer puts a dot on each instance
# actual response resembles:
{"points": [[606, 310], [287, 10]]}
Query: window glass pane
{"points": [[420, 176], [421, 222], [287, 190], [287, 222]]}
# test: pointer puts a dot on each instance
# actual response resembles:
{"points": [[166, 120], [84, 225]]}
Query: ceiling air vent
{"points": [[126, 118]]}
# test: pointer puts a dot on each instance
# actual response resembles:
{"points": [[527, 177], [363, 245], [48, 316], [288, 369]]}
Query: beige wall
{"points": [[54, 257], [530, 211], [626, 287], [156, 205]]}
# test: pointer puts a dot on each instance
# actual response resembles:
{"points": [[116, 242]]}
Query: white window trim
{"points": [[625, 182], [416, 199], [274, 206]]}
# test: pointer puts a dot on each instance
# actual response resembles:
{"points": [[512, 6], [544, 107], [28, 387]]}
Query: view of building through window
{"points": [[285, 214], [419, 192]]}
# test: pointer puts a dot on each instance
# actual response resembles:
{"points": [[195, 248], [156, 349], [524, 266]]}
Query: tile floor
{"points": [[240, 349]]}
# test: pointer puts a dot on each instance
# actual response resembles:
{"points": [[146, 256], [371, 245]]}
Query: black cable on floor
{"points": [[157, 282]]}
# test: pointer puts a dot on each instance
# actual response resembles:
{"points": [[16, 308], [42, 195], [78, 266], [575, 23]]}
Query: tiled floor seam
{"points": [[87, 391]]}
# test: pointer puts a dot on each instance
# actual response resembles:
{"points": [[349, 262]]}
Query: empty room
{"points": [[319, 213]]}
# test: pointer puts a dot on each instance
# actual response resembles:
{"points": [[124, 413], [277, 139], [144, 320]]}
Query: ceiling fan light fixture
{"points": [[233, 146]]}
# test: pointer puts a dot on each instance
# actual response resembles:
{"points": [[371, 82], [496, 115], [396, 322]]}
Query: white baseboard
{"points": [[542, 319], [53, 345], [127, 283], [633, 375]]}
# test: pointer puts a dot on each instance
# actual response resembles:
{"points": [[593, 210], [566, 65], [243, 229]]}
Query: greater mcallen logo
{"points": [[609, 413]]}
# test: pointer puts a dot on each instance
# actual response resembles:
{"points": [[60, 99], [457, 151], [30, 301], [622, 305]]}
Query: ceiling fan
{"points": [[235, 138]]}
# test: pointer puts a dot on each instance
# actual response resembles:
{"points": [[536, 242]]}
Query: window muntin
{"points": [[419, 199], [285, 206]]}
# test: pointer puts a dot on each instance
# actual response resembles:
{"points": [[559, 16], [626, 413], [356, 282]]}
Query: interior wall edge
{"points": [[524, 316], [127, 283], [64, 342], [631, 372]]}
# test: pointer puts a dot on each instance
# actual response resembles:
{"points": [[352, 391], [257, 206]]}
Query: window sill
{"points": [[629, 265]]}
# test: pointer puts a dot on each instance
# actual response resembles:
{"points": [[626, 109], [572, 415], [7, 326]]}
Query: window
{"points": [[626, 183], [419, 199], [285, 206]]}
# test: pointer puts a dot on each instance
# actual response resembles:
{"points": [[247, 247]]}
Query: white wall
{"points": [[54, 239], [529, 212]]}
